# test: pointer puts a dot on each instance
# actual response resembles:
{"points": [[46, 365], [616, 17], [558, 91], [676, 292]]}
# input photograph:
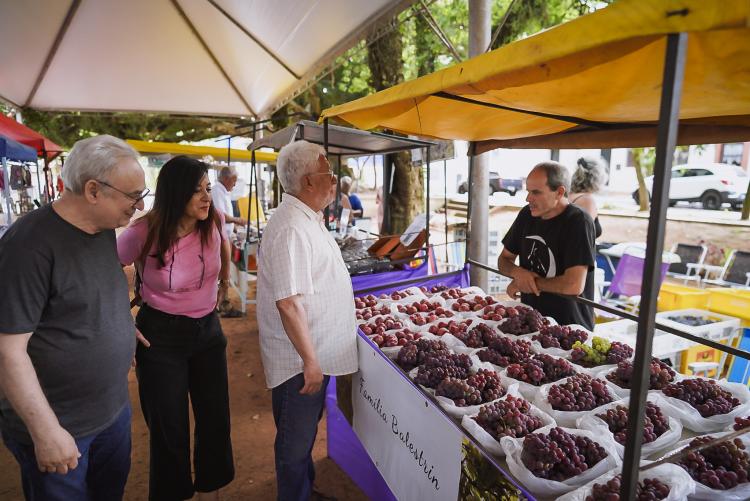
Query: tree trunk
{"points": [[386, 70], [642, 191]]}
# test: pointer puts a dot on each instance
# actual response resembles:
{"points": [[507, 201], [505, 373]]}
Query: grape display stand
{"points": [[403, 442]]}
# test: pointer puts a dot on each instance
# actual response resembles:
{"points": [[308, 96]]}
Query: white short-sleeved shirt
{"points": [[298, 256], [222, 201]]}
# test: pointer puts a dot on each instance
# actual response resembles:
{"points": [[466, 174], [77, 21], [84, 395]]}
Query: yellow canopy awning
{"points": [[202, 151], [592, 82]]}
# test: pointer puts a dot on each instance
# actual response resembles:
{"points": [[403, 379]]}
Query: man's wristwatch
{"points": [[223, 283]]}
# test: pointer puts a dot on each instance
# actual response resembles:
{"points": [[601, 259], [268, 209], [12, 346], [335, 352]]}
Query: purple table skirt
{"points": [[344, 446]]}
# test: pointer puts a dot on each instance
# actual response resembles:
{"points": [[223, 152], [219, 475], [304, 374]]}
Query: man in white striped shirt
{"points": [[305, 312]]}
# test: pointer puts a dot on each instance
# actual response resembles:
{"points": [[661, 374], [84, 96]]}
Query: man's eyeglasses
{"points": [[134, 198], [330, 173]]}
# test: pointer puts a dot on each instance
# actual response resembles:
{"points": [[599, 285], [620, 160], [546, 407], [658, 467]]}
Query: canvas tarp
{"points": [[207, 57], [592, 82]]}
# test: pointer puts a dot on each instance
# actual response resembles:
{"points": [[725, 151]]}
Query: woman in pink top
{"points": [[182, 257]]}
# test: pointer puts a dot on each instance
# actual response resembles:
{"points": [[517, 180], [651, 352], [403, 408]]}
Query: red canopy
{"points": [[22, 134]]}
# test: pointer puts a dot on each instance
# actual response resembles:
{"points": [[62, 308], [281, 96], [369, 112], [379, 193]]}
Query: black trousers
{"points": [[187, 357]]}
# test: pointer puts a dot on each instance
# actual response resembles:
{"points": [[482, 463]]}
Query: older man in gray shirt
{"points": [[66, 334]]}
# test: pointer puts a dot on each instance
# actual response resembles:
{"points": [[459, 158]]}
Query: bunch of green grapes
{"points": [[591, 356]]}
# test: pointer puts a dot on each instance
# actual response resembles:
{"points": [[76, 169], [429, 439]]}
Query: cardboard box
{"points": [[383, 246]]}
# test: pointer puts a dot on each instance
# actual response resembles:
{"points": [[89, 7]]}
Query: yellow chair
{"points": [[242, 202]]}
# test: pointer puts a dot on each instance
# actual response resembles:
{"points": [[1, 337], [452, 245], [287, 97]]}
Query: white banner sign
{"points": [[413, 445]]}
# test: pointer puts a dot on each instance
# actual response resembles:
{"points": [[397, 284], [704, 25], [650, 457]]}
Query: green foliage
{"points": [[65, 128]]}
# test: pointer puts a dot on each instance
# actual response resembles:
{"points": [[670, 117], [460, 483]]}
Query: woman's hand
{"points": [[221, 295]]}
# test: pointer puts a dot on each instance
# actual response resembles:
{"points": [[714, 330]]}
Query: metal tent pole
{"points": [[467, 232], [427, 213], [250, 195], [445, 202], [674, 69], [327, 211]]}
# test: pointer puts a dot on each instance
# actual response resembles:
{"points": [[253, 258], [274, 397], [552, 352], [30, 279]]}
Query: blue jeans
{"points": [[296, 418], [101, 473]]}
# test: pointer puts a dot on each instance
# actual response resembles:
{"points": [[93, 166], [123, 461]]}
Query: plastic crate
{"points": [[677, 297], [734, 302], [722, 328]]}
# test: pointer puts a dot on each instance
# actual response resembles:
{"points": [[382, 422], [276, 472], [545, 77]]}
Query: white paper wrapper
{"points": [[702, 492], [670, 437], [556, 352], [680, 484], [487, 440], [564, 418], [601, 373], [511, 388], [543, 487], [692, 419], [529, 391]]}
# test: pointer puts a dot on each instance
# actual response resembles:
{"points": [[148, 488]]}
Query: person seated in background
{"points": [[355, 204], [588, 179]]}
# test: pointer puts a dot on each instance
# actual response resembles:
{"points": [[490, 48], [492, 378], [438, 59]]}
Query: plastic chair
{"points": [[626, 282], [732, 274], [689, 255]]}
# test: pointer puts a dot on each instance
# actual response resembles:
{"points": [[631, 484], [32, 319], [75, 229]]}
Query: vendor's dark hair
{"points": [[177, 182], [557, 175], [588, 177]]}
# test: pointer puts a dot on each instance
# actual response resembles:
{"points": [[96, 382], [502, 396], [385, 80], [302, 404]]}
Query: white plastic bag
{"points": [[670, 437], [564, 418], [556, 352], [692, 419], [543, 487], [702, 492], [679, 482], [487, 440], [528, 390]]}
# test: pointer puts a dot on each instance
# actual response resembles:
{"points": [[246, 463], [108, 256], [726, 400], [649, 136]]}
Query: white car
{"points": [[710, 184]]}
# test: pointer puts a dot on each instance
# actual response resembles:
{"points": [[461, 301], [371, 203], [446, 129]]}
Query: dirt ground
{"points": [[252, 422], [253, 433]]}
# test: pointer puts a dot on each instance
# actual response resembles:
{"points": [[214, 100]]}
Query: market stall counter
{"points": [[462, 396]]}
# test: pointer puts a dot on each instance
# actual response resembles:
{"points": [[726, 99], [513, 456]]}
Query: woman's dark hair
{"points": [[177, 183]]}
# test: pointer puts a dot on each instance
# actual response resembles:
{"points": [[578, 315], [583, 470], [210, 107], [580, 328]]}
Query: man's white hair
{"points": [[227, 172], [94, 158], [346, 183], [295, 160]]}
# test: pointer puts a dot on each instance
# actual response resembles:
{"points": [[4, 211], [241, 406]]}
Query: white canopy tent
{"points": [[206, 57]]}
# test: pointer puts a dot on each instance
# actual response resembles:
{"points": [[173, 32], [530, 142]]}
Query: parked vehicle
{"points": [[711, 184], [510, 186]]}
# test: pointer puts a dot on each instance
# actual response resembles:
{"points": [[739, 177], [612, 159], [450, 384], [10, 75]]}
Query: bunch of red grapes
{"points": [[540, 369], [705, 395], [558, 455]]}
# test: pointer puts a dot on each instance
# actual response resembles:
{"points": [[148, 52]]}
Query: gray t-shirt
{"points": [[68, 288]]}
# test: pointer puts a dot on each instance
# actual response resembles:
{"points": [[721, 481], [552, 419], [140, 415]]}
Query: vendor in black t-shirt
{"points": [[555, 243]]}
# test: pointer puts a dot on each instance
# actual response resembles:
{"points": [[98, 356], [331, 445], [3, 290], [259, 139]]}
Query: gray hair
{"points": [[346, 183], [589, 177], [296, 160], [94, 158], [557, 175], [227, 172]]}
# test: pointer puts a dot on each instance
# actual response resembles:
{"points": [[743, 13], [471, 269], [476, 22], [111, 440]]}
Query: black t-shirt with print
{"points": [[550, 246]]}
